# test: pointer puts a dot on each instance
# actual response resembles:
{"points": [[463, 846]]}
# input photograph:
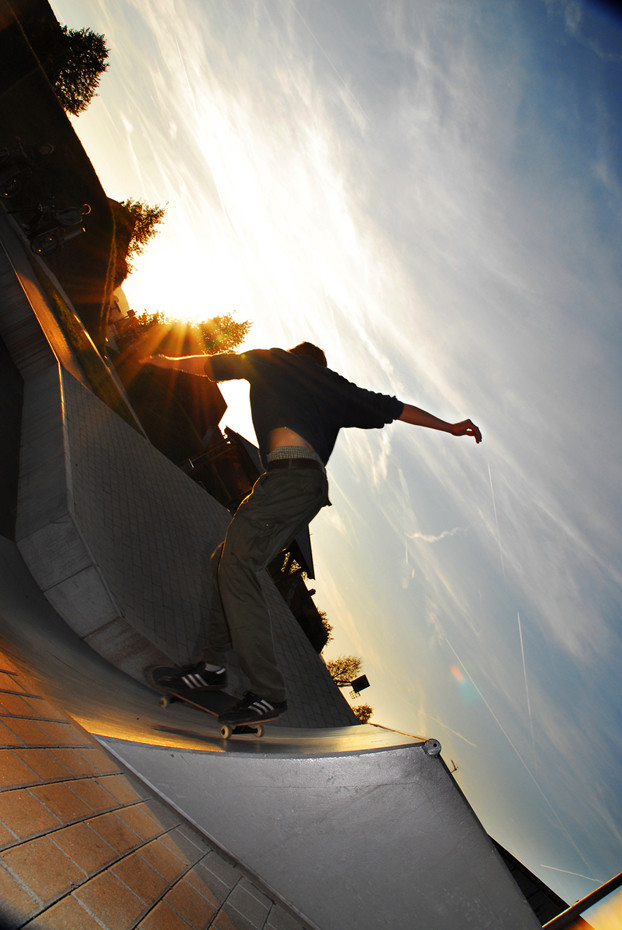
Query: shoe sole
{"points": [[248, 721]]}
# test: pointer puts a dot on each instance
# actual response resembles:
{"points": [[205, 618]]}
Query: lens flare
{"points": [[458, 675], [468, 692]]}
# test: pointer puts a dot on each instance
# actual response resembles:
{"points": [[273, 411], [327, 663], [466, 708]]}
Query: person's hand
{"points": [[466, 428]]}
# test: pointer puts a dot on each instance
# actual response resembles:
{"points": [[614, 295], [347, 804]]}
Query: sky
{"points": [[433, 193]]}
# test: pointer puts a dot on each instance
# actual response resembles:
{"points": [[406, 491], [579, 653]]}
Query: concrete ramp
{"points": [[351, 832], [353, 827]]}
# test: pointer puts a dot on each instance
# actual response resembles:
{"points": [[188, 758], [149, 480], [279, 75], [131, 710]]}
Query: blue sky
{"points": [[433, 193]]}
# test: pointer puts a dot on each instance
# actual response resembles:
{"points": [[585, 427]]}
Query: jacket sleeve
{"points": [[226, 367], [368, 409]]}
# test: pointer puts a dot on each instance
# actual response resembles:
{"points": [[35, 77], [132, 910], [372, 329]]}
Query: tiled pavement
{"points": [[85, 846]]}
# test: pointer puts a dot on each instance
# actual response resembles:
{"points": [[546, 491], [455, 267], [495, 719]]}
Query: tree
{"points": [[76, 67], [142, 221], [169, 337], [328, 627], [363, 712], [222, 333], [344, 669]]}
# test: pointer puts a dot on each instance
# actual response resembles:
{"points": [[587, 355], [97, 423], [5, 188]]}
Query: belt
{"points": [[295, 463]]}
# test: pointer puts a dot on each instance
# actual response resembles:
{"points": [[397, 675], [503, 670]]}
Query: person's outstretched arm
{"points": [[417, 417], [192, 364]]}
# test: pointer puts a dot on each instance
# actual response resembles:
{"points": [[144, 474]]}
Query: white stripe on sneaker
{"points": [[261, 707]]}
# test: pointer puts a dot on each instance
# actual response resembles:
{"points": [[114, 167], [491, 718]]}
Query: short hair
{"points": [[311, 351]]}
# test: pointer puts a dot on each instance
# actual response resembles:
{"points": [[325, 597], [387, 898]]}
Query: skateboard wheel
{"points": [[165, 700], [432, 747], [260, 730], [225, 731]]}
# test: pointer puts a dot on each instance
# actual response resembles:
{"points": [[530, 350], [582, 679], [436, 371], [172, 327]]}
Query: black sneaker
{"points": [[252, 709], [188, 678]]}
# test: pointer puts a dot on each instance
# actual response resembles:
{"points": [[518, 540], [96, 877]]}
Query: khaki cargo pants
{"points": [[283, 501]]}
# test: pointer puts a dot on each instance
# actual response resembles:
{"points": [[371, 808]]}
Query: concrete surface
{"points": [[371, 838], [352, 826]]}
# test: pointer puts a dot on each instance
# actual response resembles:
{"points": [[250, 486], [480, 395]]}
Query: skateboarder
{"points": [[298, 406]]}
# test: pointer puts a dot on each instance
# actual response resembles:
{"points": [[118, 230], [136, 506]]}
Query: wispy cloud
{"points": [[434, 539], [588, 878]]}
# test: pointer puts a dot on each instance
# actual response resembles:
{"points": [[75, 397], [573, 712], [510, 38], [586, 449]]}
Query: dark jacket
{"points": [[295, 391]]}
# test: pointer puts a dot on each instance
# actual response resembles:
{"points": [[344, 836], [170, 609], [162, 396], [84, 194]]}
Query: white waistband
{"points": [[293, 452]]}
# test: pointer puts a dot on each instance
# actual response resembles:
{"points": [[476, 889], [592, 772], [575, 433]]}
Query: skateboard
{"points": [[213, 703]]}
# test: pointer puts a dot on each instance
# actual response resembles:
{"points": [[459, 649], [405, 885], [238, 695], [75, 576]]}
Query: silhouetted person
{"points": [[298, 406]]}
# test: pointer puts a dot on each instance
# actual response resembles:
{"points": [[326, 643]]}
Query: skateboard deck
{"points": [[213, 703]]}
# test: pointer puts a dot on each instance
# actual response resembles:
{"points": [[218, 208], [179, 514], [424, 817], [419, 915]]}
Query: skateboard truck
{"points": [[226, 730]]}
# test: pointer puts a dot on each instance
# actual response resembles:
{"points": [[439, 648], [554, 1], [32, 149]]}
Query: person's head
{"points": [[312, 351]]}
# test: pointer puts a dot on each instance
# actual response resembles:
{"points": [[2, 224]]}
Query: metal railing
{"points": [[566, 918]]}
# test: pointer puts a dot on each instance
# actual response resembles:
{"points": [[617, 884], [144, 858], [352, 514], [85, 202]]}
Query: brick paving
{"points": [[85, 845]]}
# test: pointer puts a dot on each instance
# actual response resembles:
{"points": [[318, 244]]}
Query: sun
{"points": [[183, 281]]}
